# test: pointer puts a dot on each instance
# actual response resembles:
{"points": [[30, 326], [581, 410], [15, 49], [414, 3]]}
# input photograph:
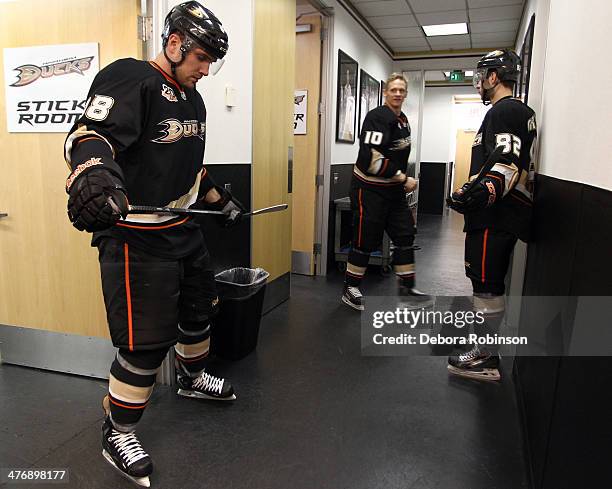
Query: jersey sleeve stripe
{"points": [[76, 136], [509, 172]]}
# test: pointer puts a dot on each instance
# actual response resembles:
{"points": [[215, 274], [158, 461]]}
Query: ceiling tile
{"points": [[492, 45], [400, 32], [494, 26], [492, 3], [496, 13], [420, 6], [379, 8], [392, 21], [408, 44], [451, 17], [442, 42], [494, 36]]}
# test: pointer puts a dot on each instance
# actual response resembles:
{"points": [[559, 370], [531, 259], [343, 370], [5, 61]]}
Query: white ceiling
{"points": [[491, 23]]}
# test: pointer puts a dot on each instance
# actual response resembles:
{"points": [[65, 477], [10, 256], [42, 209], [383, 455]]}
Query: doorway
{"points": [[307, 174]]}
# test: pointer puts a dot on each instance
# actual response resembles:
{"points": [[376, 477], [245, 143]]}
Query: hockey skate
{"points": [[205, 386], [412, 298], [353, 297], [475, 364], [124, 452]]}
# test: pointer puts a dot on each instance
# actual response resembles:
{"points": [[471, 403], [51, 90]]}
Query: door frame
{"points": [[326, 133]]}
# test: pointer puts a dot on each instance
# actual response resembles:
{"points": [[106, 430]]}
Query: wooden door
{"points": [[273, 86], [306, 153], [49, 275], [463, 157]]}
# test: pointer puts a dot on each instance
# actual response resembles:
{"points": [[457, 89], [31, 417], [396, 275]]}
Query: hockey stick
{"points": [[180, 211], [486, 168]]}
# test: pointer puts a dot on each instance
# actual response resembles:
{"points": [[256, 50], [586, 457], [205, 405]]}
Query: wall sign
{"points": [[300, 111], [46, 86]]}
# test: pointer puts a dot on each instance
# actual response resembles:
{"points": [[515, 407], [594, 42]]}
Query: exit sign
{"points": [[456, 76]]}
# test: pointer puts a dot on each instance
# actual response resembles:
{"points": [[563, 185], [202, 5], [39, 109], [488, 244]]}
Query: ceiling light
{"points": [[447, 74], [469, 72], [445, 29]]}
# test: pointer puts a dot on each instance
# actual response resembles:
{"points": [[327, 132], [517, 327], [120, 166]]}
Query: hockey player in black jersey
{"points": [[378, 195], [141, 139], [498, 208]]}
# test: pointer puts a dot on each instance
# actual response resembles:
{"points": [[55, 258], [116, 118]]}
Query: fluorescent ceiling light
{"points": [[445, 29], [469, 72], [447, 74]]}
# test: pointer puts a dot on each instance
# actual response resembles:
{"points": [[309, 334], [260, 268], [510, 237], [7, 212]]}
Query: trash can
{"points": [[236, 327]]}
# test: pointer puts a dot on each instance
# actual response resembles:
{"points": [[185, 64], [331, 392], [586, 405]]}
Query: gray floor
{"points": [[312, 412]]}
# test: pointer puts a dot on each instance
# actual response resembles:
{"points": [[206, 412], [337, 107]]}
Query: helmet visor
{"points": [[216, 66], [479, 76]]}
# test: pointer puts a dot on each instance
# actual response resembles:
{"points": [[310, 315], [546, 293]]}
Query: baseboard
{"points": [[60, 352], [67, 353], [277, 292], [520, 402]]}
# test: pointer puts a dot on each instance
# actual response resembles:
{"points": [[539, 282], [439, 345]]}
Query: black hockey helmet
{"points": [[505, 62], [199, 25]]}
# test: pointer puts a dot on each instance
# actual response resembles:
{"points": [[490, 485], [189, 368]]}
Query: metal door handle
{"points": [[3, 214]]}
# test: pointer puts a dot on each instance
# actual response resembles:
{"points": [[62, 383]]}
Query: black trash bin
{"points": [[236, 327]]}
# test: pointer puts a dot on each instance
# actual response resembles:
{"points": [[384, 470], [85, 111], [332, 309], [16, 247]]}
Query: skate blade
{"points": [[350, 304], [199, 395], [487, 374], [141, 481]]}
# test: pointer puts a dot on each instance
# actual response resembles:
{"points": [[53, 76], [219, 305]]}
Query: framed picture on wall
{"points": [[383, 85], [522, 88], [369, 95], [346, 107]]}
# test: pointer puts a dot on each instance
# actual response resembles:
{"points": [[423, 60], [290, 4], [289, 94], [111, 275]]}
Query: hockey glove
{"points": [[230, 206], [484, 194], [97, 198]]}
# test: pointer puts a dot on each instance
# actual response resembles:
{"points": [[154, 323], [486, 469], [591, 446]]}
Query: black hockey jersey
{"points": [[511, 124], [156, 130], [384, 148]]}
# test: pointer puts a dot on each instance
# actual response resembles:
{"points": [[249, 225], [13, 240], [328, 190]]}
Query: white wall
{"points": [[229, 131], [350, 37], [576, 140], [438, 123]]}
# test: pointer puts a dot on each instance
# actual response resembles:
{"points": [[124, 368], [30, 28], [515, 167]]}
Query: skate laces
{"points": [[355, 292], [208, 382], [128, 446], [470, 355]]}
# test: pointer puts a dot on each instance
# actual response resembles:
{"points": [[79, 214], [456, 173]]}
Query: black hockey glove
{"points": [[230, 206], [97, 198], [484, 194]]}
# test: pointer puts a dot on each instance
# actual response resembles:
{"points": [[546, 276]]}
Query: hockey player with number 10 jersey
{"points": [[378, 195]]}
